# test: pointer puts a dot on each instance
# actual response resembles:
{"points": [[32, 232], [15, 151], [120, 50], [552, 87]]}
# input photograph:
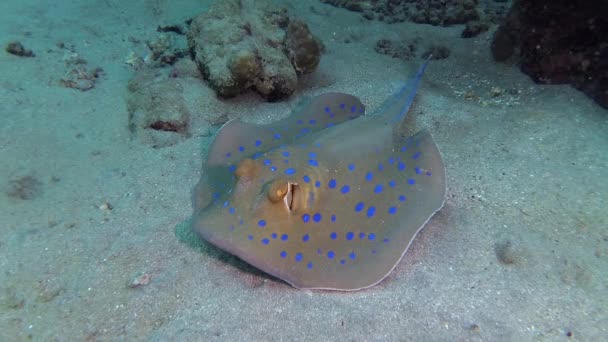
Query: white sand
{"points": [[526, 170]]}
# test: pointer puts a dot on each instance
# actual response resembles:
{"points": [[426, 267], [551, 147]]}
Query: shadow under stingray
{"points": [[184, 234]]}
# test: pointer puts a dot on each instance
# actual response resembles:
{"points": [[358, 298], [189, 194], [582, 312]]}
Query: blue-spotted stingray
{"points": [[327, 198]]}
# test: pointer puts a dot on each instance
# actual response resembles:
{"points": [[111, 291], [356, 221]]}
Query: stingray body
{"points": [[327, 198]]}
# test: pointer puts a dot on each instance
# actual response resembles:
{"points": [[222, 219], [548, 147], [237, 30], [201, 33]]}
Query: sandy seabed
{"points": [[518, 253]]}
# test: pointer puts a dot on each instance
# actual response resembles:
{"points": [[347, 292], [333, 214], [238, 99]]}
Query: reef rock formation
{"points": [[559, 42], [252, 44], [434, 12]]}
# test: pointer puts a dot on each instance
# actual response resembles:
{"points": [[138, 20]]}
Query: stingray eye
{"points": [[282, 190], [247, 168], [278, 190]]}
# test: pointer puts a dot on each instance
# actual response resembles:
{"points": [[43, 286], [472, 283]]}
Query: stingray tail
{"points": [[399, 104]]}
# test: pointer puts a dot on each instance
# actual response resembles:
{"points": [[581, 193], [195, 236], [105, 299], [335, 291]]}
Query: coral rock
{"points": [[304, 49], [559, 42], [247, 44]]}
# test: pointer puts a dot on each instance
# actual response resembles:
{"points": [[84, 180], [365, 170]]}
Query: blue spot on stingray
{"points": [[371, 236], [418, 170], [359, 206], [283, 254], [258, 143], [273, 235], [256, 155], [309, 265], [391, 160], [298, 257], [378, 188], [305, 218], [385, 240], [331, 254], [380, 167], [250, 237], [318, 184], [306, 179], [312, 121], [428, 173], [351, 167], [392, 210], [361, 235], [232, 168], [290, 171], [350, 236], [316, 217], [262, 223], [332, 183], [411, 181], [352, 255], [226, 203], [305, 130], [231, 210], [313, 162], [392, 183], [273, 168], [369, 176], [403, 148], [333, 235], [284, 237], [285, 153], [327, 109], [265, 241], [371, 211], [306, 237], [333, 218], [300, 122], [401, 166], [312, 155], [342, 261], [353, 109], [228, 154], [241, 148], [267, 162], [416, 155], [277, 136], [345, 189]]}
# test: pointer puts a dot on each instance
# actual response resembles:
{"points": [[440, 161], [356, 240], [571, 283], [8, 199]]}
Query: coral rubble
{"points": [[434, 12]]}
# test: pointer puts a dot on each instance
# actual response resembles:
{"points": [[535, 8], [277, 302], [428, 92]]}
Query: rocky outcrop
{"points": [[252, 44], [558, 42]]}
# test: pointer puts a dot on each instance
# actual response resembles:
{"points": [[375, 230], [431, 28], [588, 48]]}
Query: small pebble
{"points": [[496, 91], [106, 206], [17, 49], [141, 280]]}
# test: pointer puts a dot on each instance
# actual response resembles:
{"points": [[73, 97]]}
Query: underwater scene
{"points": [[319, 170]]}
